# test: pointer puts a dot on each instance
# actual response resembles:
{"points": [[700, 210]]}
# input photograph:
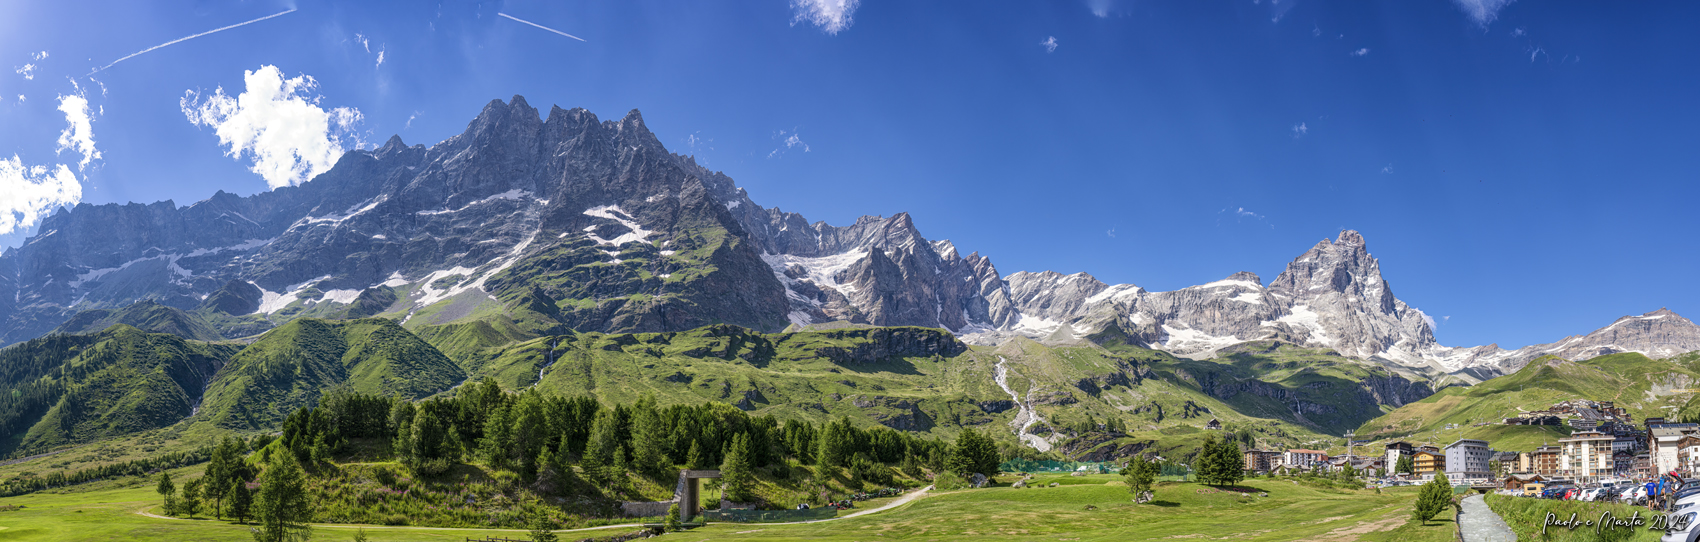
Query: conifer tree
{"points": [[974, 453], [673, 525], [168, 491], [241, 500], [189, 503], [1433, 498], [735, 471], [498, 442], [1405, 465], [282, 506], [694, 459], [1230, 463], [1141, 473], [649, 437], [543, 529], [1208, 462], [603, 445]]}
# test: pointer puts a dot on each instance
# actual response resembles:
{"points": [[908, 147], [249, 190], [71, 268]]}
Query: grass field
{"points": [[1081, 508]]}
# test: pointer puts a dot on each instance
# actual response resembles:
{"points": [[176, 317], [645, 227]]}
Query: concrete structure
{"points": [[1467, 459], [1396, 450], [1547, 460], [687, 494], [1688, 454], [1303, 459], [690, 497], [1662, 442], [1623, 463], [1262, 460], [1587, 455]]}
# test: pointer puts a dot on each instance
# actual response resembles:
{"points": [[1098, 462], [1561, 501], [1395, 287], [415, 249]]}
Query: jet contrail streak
{"points": [[183, 39], [540, 26]]}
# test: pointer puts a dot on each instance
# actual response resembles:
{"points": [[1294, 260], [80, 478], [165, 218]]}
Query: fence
{"points": [[1028, 465]]}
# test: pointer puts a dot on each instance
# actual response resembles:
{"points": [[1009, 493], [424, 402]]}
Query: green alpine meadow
{"points": [[849, 271]]}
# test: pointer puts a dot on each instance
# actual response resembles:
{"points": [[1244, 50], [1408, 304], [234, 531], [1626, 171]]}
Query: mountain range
{"points": [[536, 224]]}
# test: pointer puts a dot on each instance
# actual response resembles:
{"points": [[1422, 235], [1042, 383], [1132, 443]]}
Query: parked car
{"points": [[1683, 515]]}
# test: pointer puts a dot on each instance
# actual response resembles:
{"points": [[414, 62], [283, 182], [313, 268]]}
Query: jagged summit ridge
{"points": [[568, 221]]}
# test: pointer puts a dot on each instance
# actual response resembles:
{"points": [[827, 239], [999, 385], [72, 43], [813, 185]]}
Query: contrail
{"points": [[540, 26], [183, 39]]}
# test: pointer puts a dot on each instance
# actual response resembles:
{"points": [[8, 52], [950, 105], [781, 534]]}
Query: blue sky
{"points": [[1524, 170]]}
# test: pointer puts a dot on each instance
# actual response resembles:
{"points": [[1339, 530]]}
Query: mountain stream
{"points": [[1026, 418]]}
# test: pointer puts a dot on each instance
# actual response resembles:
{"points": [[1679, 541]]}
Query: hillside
{"points": [[61, 390], [291, 366], [1642, 386], [145, 315]]}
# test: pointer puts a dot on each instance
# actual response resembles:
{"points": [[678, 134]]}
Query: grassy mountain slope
{"points": [[144, 315], [1642, 386], [291, 366], [70, 390]]}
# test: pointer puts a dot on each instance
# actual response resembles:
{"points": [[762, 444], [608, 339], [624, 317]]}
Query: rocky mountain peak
{"points": [[1350, 237], [1246, 276]]}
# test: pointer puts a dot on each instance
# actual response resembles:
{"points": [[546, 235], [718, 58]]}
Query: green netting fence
{"points": [[1028, 465]]}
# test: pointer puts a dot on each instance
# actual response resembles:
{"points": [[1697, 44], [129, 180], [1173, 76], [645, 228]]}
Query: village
{"points": [[1604, 448]]}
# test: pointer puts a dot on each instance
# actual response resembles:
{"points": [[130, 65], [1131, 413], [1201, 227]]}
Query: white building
{"points": [[1467, 459], [1664, 446], [1587, 454], [1302, 459]]}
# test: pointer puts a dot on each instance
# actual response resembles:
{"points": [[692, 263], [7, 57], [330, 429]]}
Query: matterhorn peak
{"points": [[1350, 237]]}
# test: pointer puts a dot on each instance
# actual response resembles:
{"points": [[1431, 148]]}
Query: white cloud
{"points": [[410, 118], [832, 16], [1050, 44], [1519, 32], [1299, 130], [79, 131], [27, 70], [380, 59], [1111, 232], [21, 98], [790, 141], [1483, 12], [1361, 52], [39, 56], [364, 43], [1428, 319], [1387, 170], [1100, 8], [279, 123], [794, 141], [28, 192]]}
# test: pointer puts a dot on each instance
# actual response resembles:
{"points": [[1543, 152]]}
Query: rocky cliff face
{"points": [[564, 221]]}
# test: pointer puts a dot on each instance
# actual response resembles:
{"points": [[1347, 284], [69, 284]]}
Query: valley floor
{"points": [[1080, 508]]}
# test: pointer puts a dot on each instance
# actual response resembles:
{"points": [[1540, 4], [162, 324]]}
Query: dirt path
{"points": [[900, 501]]}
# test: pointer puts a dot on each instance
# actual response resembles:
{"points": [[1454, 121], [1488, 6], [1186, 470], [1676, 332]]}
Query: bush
{"points": [[949, 480]]}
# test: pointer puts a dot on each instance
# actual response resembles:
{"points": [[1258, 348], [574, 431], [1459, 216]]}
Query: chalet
{"points": [[1517, 481]]}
